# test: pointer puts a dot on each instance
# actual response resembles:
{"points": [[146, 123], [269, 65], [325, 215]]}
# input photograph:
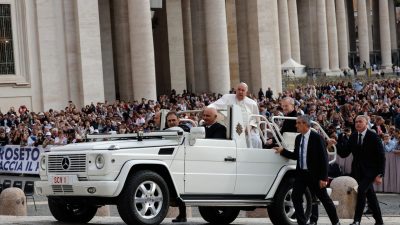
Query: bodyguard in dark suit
{"points": [[368, 166], [311, 169], [213, 128], [289, 110]]}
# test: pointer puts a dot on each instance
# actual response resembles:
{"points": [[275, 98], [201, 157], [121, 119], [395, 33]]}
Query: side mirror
{"points": [[196, 133]]}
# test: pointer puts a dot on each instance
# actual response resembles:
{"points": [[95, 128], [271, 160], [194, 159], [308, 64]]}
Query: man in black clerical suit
{"points": [[288, 109], [311, 170], [368, 166], [213, 128], [287, 105]]}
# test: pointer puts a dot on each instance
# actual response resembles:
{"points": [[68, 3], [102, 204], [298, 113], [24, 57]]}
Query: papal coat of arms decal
{"points": [[239, 129]]}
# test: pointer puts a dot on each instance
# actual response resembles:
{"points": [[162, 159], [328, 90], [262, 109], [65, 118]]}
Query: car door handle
{"points": [[230, 159]]}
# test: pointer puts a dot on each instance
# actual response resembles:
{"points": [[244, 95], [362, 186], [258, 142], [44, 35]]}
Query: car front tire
{"points": [[219, 215], [144, 200], [281, 211], [71, 212]]}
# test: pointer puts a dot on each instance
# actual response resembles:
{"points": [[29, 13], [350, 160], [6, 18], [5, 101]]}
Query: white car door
{"points": [[210, 167], [257, 170]]}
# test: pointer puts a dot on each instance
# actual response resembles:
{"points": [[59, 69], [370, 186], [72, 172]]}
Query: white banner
{"points": [[17, 159]]}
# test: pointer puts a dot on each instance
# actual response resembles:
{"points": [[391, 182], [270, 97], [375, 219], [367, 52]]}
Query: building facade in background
{"points": [[54, 51]]}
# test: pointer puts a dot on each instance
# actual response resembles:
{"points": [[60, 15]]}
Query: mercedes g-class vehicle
{"points": [[144, 174]]}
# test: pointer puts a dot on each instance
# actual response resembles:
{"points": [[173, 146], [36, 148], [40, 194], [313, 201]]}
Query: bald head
{"points": [[209, 116], [241, 91]]}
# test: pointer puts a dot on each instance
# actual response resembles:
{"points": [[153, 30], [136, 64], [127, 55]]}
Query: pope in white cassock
{"points": [[248, 105]]}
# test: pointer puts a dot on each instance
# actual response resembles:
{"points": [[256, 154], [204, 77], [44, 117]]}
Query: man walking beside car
{"points": [[368, 166], [288, 108], [311, 169]]}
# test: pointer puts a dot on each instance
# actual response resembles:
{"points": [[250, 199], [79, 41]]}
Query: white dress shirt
{"points": [[362, 136]]}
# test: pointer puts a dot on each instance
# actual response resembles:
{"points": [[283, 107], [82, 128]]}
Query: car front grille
{"points": [[71, 163], [83, 179], [62, 188]]}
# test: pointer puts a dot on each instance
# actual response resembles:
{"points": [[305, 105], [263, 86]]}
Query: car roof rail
{"points": [[138, 135]]}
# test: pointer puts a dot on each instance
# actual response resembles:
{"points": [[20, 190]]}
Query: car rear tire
{"points": [[219, 215], [281, 211], [144, 200], [71, 212]]}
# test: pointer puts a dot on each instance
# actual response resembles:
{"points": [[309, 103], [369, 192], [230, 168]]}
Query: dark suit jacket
{"points": [[216, 130], [367, 161], [317, 157], [289, 125]]}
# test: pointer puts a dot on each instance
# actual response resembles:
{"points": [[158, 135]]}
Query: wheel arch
{"points": [[159, 167], [284, 173]]}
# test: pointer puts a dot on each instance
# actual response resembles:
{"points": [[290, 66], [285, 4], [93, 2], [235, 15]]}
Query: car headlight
{"points": [[100, 161], [43, 163]]}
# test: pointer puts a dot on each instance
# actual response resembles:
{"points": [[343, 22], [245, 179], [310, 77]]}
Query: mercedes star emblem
{"points": [[65, 163]]}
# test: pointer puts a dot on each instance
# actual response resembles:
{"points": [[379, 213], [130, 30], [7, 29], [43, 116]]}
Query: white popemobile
{"points": [[145, 174]]}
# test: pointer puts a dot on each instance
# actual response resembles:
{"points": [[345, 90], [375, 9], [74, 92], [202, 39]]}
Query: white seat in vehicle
{"points": [[289, 138]]}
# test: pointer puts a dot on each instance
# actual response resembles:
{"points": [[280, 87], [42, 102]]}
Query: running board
{"points": [[210, 202]]}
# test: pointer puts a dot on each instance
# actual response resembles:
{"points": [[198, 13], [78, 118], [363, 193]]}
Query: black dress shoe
{"points": [[379, 224], [312, 223], [355, 223], [179, 220]]}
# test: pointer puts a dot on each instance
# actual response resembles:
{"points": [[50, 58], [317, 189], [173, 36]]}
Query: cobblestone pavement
{"points": [[389, 205], [46, 220]]}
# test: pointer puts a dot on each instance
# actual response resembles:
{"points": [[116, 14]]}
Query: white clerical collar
{"points": [[208, 126]]}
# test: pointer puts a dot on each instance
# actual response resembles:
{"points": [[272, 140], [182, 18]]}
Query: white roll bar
{"points": [[167, 133]]}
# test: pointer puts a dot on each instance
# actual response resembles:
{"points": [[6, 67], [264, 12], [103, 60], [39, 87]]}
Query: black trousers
{"points": [[182, 209], [314, 210], [366, 190], [302, 181]]}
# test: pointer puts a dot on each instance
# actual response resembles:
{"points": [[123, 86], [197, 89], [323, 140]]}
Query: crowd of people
{"points": [[334, 105]]}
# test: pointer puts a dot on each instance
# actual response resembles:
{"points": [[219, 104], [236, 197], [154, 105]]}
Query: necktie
{"points": [[359, 139], [301, 151]]}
